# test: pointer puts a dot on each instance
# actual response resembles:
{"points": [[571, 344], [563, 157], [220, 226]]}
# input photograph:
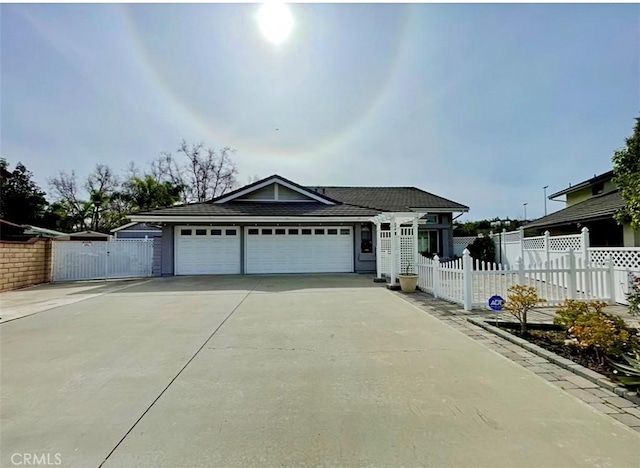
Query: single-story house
{"points": [[21, 232], [275, 225], [87, 236], [591, 204], [137, 231]]}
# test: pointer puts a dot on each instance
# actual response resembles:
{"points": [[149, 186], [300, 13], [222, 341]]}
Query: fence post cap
{"points": [[585, 229], [466, 252], [436, 258], [547, 233]]}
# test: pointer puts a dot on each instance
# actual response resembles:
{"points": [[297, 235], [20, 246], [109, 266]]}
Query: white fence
{"points": [[510, 246], [119, 258], [461, 243], [626, 262], [565, 278], [406, 246]]}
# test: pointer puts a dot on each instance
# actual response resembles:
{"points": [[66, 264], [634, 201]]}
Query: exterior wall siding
{"points": [[137, 235], [285, 193], [265, 193], [167, 250], [24, 263], [156, 269]]}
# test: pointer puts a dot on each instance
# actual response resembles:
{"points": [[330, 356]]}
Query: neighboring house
{"points": [[87, 236], [590, 204], [137, 231], [277, 226], [21, 232]]}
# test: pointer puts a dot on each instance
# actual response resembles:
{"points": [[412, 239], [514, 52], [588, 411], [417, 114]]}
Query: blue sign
{"points": [[496, 303]]}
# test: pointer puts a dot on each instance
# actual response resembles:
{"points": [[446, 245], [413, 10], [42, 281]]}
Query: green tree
{"points": [[626, 171], [21, 200], [147, 193]]}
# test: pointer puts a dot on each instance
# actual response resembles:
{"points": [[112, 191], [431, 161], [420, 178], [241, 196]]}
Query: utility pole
{"points": [[525, 210], [545, 199]]}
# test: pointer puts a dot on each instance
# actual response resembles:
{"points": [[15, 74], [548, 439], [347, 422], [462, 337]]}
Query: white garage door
{"points": [[299, 250], [207, 250]]}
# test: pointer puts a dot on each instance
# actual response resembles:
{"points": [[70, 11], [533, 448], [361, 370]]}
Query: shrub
{"points": [[605, 333], [569, 311], [483, 249], [633, 296], [628, 374], [520, 300]]}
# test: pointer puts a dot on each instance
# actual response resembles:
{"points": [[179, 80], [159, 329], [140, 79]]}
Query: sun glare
{"points": [[275, 21]]}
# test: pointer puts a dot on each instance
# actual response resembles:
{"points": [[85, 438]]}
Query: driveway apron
{"points": [[304, 371]]}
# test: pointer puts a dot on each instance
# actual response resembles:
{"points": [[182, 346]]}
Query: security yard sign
{"points": [[496, 303]]}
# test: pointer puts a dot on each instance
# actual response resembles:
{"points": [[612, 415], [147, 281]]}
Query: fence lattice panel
{"points": [[385, 253], [564, 243], [622, 257], [407, 250], [533, 243]]}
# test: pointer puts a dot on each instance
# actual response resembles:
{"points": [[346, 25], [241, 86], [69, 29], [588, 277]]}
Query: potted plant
{"points": [[408, 279]]}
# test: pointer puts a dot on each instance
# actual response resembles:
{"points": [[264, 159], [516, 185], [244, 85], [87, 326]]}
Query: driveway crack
{"points": [[202, 346]]}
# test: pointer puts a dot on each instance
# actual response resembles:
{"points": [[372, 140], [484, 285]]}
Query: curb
{"points": [[567, 364]]}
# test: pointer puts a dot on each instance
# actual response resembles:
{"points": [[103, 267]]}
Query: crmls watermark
{"points": [[36, 459]]}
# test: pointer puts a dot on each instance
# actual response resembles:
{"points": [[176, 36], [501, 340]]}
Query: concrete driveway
{"points": [[279, 371]]}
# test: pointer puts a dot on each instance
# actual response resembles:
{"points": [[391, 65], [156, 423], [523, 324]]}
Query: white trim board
{"points": [[250, 219], [275, 180]]}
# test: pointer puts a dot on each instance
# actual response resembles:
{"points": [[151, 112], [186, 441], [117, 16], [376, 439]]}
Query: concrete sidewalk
{"points": [[281, 371]]}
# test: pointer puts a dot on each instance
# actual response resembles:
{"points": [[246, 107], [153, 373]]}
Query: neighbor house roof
{"points": [[584, 184], [598, 207], [133, 226]]}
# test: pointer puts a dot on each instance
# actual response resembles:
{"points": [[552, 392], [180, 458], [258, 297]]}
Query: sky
{"points": [[481, 104]]}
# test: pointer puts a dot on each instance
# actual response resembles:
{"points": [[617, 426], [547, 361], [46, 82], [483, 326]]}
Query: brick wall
{"points": [[24, 263]]}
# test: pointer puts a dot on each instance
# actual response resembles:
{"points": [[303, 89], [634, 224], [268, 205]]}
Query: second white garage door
{"points": [[299, 250]]}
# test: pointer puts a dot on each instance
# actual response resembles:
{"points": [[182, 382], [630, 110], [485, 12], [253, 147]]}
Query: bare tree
{"points": [[64, 190], [205, 173], [101, 211]]}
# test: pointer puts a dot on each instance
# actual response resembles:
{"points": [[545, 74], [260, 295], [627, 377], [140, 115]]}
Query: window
{"points": [[306, 232], [267, 232], [230, 232], [430, 219], [319, 232], [201, 232], [216, 232], [366, 244], [281, 232], [332, 232], [345, 232], [254, 232], [185, 232], [428, 242], [293, 232]]}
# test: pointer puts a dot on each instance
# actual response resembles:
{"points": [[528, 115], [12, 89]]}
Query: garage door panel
{"points": [[210, 250], [295, 252]]}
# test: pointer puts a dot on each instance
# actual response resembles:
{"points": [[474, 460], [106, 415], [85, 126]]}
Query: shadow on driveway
{"points": [[255, 283]]}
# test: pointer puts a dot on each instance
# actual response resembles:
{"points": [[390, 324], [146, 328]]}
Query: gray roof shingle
{"points": [[263, 209], [598, 207], [390, 198], [350, 201]]}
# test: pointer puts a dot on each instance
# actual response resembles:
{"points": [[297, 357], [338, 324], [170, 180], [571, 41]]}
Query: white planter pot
{"points": [[408, 283]]}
